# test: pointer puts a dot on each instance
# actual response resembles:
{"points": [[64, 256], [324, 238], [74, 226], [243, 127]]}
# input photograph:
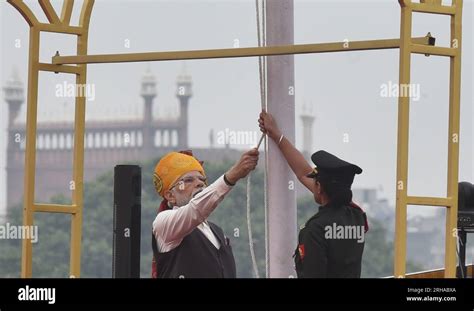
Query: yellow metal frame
{"points": [[242, 52], [451, 202], [57, 25], [406, 44]]}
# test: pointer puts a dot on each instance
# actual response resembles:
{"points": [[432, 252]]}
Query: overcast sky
{"points": [[343, 89]]}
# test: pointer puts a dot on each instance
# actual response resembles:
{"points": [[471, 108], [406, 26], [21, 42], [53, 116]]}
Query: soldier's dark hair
{"points": [[337, 192]]}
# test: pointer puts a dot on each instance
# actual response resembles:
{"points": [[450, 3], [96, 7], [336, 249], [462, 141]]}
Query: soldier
{"points": [[331, 243]]}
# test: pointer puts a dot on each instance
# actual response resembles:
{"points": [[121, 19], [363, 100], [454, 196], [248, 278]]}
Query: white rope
{"points": [[263, 96], [249, 228]]}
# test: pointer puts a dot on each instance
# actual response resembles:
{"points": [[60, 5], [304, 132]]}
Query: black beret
{"points": [[332, 168]]}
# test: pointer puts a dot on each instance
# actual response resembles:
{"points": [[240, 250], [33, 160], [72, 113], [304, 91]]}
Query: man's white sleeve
{"points": [[171, 226]]}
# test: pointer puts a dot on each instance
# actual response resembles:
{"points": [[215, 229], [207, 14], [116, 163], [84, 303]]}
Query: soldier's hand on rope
{"points": [[247, 163], [268, 125]]}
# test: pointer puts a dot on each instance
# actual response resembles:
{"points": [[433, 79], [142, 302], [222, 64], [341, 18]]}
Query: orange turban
{"points": [[171, 167]]}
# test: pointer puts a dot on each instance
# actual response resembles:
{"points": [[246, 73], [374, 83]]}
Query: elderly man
{"points": [[185, 244]]}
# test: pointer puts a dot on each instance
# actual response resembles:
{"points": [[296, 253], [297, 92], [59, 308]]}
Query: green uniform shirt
{"points": [[331, 243]]}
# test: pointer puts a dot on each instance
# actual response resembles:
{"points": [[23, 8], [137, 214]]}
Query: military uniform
{"points": [[331, 243]]}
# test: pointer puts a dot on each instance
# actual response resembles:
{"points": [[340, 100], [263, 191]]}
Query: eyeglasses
{"points": [[188, 180]]}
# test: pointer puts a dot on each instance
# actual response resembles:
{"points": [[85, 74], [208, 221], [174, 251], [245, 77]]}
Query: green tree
{"points": [[51, 253]]}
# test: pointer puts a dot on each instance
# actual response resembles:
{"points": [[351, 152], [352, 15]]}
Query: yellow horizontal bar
{"points": [[429, 201], [428, 8], [59, 68], [433, 50], [55, 208], [238, 52], [73, 30]]}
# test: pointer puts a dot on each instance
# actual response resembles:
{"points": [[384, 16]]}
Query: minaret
{"points": [[14, 98], [184, 93], [148, 92], [307, 119]]}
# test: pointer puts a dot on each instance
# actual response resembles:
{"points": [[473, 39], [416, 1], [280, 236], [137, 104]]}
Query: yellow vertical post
{"points": [[56, 25], [453, 141], [407, 47], [78, 160], [402, 141], [30, 150]]}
